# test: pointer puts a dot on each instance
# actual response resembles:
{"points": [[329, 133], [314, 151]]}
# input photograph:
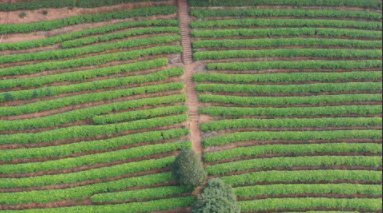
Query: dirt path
{"points": [[187, 59]]}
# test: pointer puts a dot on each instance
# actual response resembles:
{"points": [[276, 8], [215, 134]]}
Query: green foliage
{"points": [[266, 42], [300, 149], [97, 145], [34, 5], [89, 61], [289, 89], [306, 31], [303, 176], [330, 53], [141, 114], [317, 64], [93, 85], [92, 159], [291, 135], [22, 14], [83, 75], [288, 77], [294, 111], [99, 30], [295, 3], [47, 196], [299, 13], [150, 193], [85, 98], [308, 203], [93, 174], [126, 34], [82, 19], [99, 3], [287, 23], [312, 100], [45, 12], [164, 204], [291, 189], [188, 169], [289, 162], [69, 53], [90, 130], [217, 197]]}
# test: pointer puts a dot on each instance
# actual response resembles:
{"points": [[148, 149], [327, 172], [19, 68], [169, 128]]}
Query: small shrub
{"points": [[22, 14], [217, 197], [188, 169], [45, 12]]}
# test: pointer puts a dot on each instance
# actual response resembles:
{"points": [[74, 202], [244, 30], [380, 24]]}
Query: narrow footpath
{"points": [[187, 59]]}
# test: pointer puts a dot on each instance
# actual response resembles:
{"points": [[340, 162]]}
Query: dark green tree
{"points": [[217, 197], [188, 169]]}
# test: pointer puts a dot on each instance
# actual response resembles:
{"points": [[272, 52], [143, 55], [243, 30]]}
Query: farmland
{"points": [[281, 98]]}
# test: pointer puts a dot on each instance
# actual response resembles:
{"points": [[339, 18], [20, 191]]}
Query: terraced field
{"points": [[282, 98], [94, 117], [290, 102]]}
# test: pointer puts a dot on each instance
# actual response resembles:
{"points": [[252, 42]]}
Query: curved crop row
{"points": [[126, 34], [89, 86], [93, 174], [69, 53], [82, 19], [82, 33], [89, 61], [97, 145], [37, 5], [320, 99], [75, 116], [299, 13], [295, 111], [92, 159], [290, 135], [283, 89], [287, 77], [290, 122], [287, 189], [303, 176], [330, 53], [89, 131], [288, 23], [83, 75], [99, 3], [217, 33], [299, 149], [289, 162], [234, 43], [141, 194], [163, 204], [141, 114], [79, 99], [316, 64], [46, 196], [307, 203], [254, 3]]}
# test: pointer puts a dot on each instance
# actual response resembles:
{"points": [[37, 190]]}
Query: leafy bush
{"points": [[217, 197], [188, 169], [22, 14], [34, 5], [45, 12]]}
